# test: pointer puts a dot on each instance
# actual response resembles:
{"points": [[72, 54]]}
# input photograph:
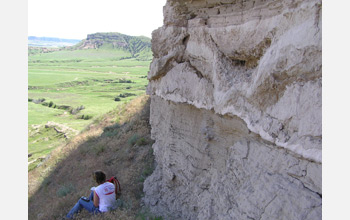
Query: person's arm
{"points": [[96, 200]]}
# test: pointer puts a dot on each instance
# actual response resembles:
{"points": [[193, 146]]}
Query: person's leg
{"points": [[91, 197], [77, 207], [89, 206]]}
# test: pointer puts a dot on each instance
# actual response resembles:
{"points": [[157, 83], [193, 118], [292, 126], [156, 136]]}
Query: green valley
{"points": [[72, 87]]}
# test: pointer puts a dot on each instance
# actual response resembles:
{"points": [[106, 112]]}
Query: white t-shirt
{"points": [[105, 193]]}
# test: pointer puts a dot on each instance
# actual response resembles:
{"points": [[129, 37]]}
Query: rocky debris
{"points": [[41, 160], [61, 129], [236, 110], [34, 129]]}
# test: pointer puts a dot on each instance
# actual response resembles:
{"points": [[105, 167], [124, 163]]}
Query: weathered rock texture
{"points": [[236, 110]]}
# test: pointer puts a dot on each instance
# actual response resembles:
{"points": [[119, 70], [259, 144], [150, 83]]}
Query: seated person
{"points": [[101, 197]]}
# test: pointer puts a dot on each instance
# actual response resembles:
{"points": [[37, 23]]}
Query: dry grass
{"points": [[57, 185]]}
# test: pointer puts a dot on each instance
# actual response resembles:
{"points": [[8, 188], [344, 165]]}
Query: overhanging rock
{"points": [[236, 110]]}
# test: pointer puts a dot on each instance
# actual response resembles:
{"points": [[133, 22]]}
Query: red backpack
{"points": [[115, 181]]}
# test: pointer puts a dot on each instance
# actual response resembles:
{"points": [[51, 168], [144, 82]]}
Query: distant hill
{"points": [[51, 42], [137, 46]]}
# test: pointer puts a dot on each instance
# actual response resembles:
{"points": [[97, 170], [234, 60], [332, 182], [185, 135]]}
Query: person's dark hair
{"points": [[99, 176]]}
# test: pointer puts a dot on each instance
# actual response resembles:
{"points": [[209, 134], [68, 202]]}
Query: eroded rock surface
{"points": [[236, 92]]}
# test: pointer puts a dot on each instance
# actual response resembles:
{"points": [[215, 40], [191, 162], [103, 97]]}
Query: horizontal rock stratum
{"points": [[236, 107]]}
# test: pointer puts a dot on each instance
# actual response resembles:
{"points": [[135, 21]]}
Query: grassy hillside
{"points": [[70, 88], [137, 47], [118, 143]]}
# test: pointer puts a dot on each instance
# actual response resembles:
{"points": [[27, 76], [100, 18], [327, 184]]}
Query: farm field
{"points": [[70, 89]]}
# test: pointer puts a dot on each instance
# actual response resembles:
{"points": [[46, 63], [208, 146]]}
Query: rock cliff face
{"points": [[236, 91]]}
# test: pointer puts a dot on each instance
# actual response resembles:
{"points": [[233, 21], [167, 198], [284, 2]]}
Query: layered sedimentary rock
{"points": [[236, 110]]}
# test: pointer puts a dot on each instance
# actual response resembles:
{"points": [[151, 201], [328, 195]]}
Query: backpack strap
{"points": [[116, 182]]}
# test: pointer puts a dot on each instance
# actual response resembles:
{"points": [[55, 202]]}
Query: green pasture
{"points": [[89, 78], [79, 55]]}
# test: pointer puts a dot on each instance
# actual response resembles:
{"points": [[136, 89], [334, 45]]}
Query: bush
{"points": [[76, 110], [146, 172], [50, 104], [99, 149], [86, 117], [110, 133], [133, 139], [64, 107], [141, 141], [117, 99], [125, 81], [112, 127], [38, 101], [124, 95], [65, 190], [111, 130], [30, 100]]}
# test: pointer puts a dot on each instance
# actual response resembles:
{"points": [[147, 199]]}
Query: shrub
{"points": [[30, 100], [38, 101], [117, 99], [142, 179], [148, 170], [124, 95], [76, 110], [111, 130], [112, 127], [65, 190], [99, 149], [141, 141], [50, 104], [110, 133], [133, 139], [86, 117], [65, 107], [125, 81]]}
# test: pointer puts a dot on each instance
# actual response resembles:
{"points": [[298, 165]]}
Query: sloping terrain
{"points": [[120, 148], [73, 87]]}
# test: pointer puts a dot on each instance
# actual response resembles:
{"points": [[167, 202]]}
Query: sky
{"points": [[75, 19]]}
